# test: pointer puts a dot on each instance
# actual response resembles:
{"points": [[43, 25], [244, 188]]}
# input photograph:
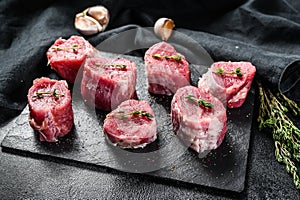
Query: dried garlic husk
{"points": [[92, 20], [163, 28]]}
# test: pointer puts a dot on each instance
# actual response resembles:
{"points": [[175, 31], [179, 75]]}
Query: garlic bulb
{"points": [[87, 25], [163, 28], [92, 20], [100, 13]]}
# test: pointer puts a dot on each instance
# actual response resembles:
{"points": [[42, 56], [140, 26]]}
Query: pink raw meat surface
{"points": [[108, 82], [201, 128], [230, 88], [66, 56], [51, 116], [130, 131], [165, 76]]}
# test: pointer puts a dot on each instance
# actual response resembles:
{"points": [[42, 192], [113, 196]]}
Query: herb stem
{"points": [[140, 113], [200, 102], [42, 94], [174, 56], [73, 47], [237, 71], [273, 115], [117, 66]]}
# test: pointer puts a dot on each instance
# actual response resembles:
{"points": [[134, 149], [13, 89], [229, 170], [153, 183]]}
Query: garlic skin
{"points": [[92, 20], [163, 28]]}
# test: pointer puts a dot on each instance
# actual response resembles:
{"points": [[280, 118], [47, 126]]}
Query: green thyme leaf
{"points": [[73, 47], [122, 115], [237, 71], [174, 56], [286, 135], [116, 66], [200, 102], [42, 94]]}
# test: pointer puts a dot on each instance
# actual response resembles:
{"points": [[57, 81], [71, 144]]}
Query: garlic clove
{"points": [[92, 20], [100, 13], [163, 28], [87, 25]]}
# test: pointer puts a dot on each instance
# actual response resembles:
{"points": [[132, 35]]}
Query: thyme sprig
{"points": [[200, 102], [123, 115], [117, 66], [42, 94], [73, 47], [174, 56], [273, 114], [237, 71]]}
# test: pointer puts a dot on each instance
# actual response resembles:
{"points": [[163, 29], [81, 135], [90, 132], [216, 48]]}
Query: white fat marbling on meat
{"points": [[200, 129], [209, 84]]}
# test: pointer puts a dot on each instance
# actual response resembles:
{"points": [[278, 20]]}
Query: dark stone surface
{"points": [[85, 146], [265, 33]]}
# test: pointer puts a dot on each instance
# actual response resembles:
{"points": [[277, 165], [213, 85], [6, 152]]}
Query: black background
{"points": [[264, 32]]}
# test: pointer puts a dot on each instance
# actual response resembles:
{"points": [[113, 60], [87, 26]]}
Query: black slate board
{"points": [[223, 168]]}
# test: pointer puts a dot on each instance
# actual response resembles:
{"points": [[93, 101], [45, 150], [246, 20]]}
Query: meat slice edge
{"points": [[202, 129], [66, 56], [52, 116], [165, 75], [105, 84], [130, 131], [230, 88]]}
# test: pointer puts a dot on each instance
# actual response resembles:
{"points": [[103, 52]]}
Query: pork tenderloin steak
{"points": [[199, 119], [229, 81], [66, 56], [166, 69], [108, 82], [50, 108], [131, 125]]}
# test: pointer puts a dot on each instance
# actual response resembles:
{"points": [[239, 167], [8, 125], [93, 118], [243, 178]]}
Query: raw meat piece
{"points": [[50, 108], [166, 69], [229, 81], [201, 127], [67, 56], [106, 83], [131, 125]]}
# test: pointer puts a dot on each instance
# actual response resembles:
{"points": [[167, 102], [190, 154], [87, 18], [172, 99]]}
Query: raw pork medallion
{"points": [[131, 125], [108, 82], [198, 118], [229, 81], [66, 56], [50, 108], [166, 69]]}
